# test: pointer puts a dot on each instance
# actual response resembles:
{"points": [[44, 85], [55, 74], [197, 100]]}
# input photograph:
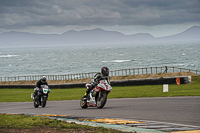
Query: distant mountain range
{"points": [[90, 37]]}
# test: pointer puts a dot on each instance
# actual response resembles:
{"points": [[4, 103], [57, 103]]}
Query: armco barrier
{"points": [[133, 82], [152, 81]]}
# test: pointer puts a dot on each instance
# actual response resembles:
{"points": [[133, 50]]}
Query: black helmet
{"points": [[43, 79], [104, 71]]}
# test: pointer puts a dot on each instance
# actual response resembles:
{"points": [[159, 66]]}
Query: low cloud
{"points": [[16, 14]]}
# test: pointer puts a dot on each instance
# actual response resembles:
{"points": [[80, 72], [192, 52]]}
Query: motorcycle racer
{"points": [[42, 81], [97, 77]]}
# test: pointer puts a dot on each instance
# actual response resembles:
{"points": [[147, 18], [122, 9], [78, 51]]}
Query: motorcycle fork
{"points": [[99, 96], [90, 95], [40, 100]]}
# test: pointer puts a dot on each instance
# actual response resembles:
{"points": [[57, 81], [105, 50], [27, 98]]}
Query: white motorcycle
{"points": [[97, 97]]}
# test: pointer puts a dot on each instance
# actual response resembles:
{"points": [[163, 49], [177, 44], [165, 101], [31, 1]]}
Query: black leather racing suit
{"points": [[38, 85], [97, 77]]}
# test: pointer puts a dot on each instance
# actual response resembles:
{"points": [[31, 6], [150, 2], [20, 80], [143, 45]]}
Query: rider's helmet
{"points": [[105, 71], [43, 79]]}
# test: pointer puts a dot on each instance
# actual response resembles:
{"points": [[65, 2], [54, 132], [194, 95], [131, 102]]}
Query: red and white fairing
{"points": [[103, 85]]}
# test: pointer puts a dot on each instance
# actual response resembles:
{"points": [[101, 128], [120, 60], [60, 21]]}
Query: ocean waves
{"points": [[85, 59]]}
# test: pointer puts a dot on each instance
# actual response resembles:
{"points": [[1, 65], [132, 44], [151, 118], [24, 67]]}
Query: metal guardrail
{"points": [[122, 72]]}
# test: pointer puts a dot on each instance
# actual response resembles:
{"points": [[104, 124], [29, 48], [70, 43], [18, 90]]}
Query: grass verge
{"points": [[25, 123], [23, 95]]}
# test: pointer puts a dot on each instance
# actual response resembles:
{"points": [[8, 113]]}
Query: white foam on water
{"points": [[179, 64], [3, 56], [118, 61]]}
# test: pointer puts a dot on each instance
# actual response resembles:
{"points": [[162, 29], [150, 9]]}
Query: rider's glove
{"points": [[94, 84], [88, 87]]}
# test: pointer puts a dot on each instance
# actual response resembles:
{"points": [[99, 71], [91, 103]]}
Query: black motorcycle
{"points": [[42, 95]]}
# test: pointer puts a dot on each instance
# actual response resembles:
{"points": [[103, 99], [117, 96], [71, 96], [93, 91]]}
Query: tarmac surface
{"points": [[160, 113]]}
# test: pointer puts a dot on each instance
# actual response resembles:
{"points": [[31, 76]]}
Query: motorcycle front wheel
{"points": [[43, 101], [101, 100], [83, 103]]}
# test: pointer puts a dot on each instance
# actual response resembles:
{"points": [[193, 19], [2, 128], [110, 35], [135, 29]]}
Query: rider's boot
{"points": [[34, 94], [35, 91], [85, 95], [87, 91]]}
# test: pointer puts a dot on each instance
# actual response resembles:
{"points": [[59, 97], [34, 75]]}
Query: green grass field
{"points": [[24, 95], [25, 123]]}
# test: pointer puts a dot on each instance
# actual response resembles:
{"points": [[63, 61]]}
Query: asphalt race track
{"points": [[179, 110]]}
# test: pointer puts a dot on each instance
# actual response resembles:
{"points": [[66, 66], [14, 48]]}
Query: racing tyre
{"points": [[101, 100], [43, 102], [83, 103]]}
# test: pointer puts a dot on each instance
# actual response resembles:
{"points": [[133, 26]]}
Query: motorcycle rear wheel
{"points": [[83, 103], [101, 101]]}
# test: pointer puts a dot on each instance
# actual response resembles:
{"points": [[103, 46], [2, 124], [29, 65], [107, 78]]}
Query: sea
{"points": [[62, 60]]}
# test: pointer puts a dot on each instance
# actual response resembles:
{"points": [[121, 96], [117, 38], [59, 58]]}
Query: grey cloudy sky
{"points": [[157, 17]]}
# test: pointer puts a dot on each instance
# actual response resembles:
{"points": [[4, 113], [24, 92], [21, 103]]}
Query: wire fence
{"points": [[122, 72]]}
